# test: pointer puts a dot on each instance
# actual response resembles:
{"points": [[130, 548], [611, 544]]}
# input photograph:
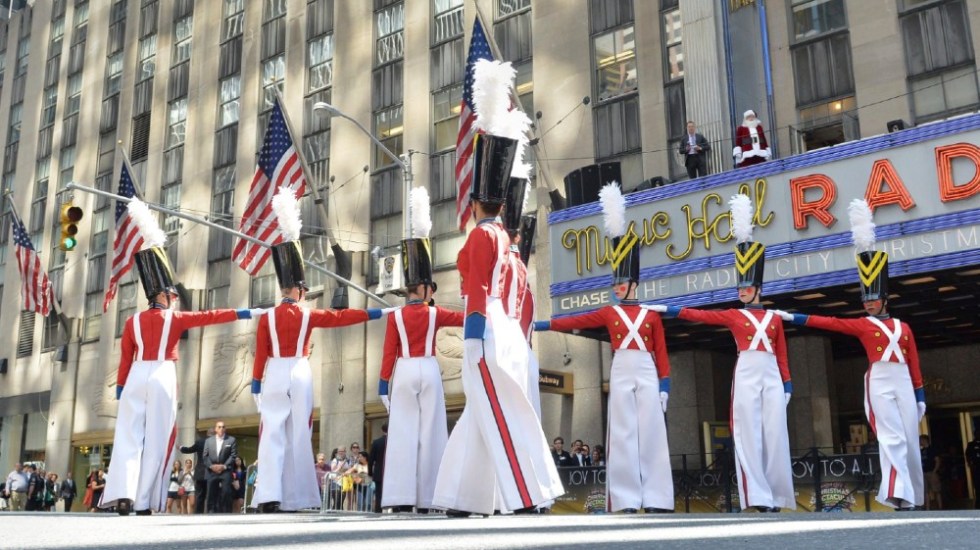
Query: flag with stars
{"points": [[479, 49], [128, 239], [278, 165], [35, 285]]}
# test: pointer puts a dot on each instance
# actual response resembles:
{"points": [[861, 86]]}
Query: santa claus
{"points": [[751, 146]]}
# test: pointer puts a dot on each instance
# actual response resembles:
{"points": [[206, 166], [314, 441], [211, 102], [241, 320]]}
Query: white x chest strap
{"points": [[632, 326], [760, 331], [894, 349]]}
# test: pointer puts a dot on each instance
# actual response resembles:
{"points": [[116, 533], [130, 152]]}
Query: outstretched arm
{"points": [[326, 318], [590, 319]]}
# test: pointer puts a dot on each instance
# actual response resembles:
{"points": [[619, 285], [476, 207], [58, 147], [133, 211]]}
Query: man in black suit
{"points": [[694, 148], [582, 457], [560, 456], [200, 478], [376, 464], [220, 451], [68, 491]]}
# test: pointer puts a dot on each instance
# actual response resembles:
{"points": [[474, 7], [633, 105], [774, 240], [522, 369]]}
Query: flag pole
{"points": [[176, 213], [531, 140], [140, 193]]}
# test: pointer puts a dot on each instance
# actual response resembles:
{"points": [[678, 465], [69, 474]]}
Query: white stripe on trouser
{"points": [[147, 416], [762, 460], [475, 458], [638, 460], [417, 433], [888, 390]]}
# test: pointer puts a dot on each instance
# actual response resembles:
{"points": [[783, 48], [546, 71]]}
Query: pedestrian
{"points": [[238, 484], [200, 475], [35, 489], [322, 468], [559, 455], [50, 491], [894, 397], [146, 384], [376, 464], [282, 380], [417, 405], [173, 490], [68, 491], [761, 385], [694, 148], [357, 490], [188, 488], [97, 482], [16, 487], [598, 455], [931, 464], [220, 452], [972, 455], [751, 146], [639, 384]]}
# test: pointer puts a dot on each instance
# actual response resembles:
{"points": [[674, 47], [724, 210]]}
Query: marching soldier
{"points": [[417, 432], [761, 385], [146, 385], [894, 399], [638, 473]]}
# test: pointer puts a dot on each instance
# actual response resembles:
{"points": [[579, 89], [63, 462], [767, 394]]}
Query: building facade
{"points": [[184, 88]]}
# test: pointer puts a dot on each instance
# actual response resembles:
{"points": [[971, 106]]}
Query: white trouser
{"points": [[417, 433], [638, 471], [889, 403], [143, 446], [533, 385], [286, 464], [758, 422], [498, 440]]}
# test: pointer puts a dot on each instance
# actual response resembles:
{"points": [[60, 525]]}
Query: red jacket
{"points": [[651, 330], [743, 330], [416, 320], [289, 319], [515, 287], [527, 314], [151, 329], [873, 340], [484, 254]]}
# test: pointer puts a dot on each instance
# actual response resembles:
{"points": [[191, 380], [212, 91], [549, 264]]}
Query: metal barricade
{"points": [[346, 493], [251, 473]]}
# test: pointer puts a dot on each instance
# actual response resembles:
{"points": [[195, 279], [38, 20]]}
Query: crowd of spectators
{"points": [[581, 455]]}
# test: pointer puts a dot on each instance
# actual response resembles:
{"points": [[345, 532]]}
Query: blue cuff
{"points": [[665, 384], [672, 312], [256, 386], [374, 313], [475, 326], [920, 395], [788, 386], [382, 387], [119, 390], [542, 326], [243, 313], [800, 319]]}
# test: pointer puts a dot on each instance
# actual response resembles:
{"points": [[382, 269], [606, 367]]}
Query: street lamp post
{"points": [[404, 162]]}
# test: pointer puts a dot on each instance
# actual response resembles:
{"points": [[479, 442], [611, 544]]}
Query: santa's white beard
{"points": [[751, 123]]}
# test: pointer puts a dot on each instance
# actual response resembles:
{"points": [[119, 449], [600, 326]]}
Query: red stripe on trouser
{"points": [[891, 482], [498, 416]]}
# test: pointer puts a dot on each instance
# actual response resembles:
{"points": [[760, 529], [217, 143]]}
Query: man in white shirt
{"points": [[694, 148], [17, 488]]}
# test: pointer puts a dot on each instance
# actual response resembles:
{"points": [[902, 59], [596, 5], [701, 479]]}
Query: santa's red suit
{"points": [[417, 430], [282, 348], [146, 425], [751, 146], [497, 441], [638, 473], [760, 386]]}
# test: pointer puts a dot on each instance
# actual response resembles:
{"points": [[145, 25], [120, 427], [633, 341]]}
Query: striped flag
{"points": [[35, 285], [279, 164], [479, 49], [128, 239]]}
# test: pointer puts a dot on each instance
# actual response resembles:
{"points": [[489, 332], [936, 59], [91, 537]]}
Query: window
{"points": [[672, 37], [13, 131], [81, 14], [147, 58], [226, 145], [231, 91], [607, 14], [265, 287], [149, 15], [57, 36], [446, 238], [173, 165], [219, 284], [316, 142], [319, 17], [113, 74], [273, 75], [812, 18], [273, 9], [512, 32], [320, 62], [222, 212], [92, 328], [25, 334], [448, 22], [177, 123], [74, 94], [822, 69], [614, 59], [617, 128], [388, 127], [23, 51], [445, 115], [947, 93], [128, 298], [447, 70], [390, 25], [510, 7], [183, 31]]}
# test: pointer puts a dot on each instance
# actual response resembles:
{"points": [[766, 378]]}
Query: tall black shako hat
{"points": [[750, 256], [152, 263], [528, 225], [872, 264], [625, 257], [417, 249], [514, 205], [287, 257], [493, 160]]}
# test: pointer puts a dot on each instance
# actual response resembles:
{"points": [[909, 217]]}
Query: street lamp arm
{"points": [[333, 111]]}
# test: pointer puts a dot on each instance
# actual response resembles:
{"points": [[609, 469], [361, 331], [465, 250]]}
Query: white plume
{"points": [[286, 207], [421, 216], [741, 207], [146, 221], [492, 82], [862, 225], [613, 209]]}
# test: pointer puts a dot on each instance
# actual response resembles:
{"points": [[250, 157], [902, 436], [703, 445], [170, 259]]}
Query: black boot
{"points": [[457, 514], [653, 510], [124, 506], [528, 510], [269, 507], [629, 510], [422, 511], [146, 512]]}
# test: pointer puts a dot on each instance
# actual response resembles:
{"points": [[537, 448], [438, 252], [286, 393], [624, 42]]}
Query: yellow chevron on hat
{"points": [[622, 251], [744, 262], [869, 271]]}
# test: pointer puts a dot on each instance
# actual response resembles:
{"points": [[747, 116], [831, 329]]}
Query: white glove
{"points": [[258, 312], [257, 397], [922, 408], [765, 153], [386, 401], [788, 397], [657, 308], [473, 350], [387, 310], [663, 400], [788, 317]]}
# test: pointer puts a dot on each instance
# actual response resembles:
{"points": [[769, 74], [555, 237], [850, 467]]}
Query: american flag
{"points": [[479, 49], [35, 285], [128, 239], [279, 164]]}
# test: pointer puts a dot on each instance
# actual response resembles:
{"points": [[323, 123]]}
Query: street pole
{"points": [[212, 225]]}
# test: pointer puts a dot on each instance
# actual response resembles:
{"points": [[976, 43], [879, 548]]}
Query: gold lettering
{"points": [[735, 5]]}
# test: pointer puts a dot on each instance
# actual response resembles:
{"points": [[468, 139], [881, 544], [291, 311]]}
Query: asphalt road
{"points": [[933, 530]]}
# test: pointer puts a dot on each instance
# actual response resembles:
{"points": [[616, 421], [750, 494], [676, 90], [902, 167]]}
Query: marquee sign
{"points": [[923, 185]]}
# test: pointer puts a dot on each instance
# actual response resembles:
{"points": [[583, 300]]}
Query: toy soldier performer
{"points": [[282, 381], [894, 399], [146, 385], [417, 432], [761, 384], [638, 473]]}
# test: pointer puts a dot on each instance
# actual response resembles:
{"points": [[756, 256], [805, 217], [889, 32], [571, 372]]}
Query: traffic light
{"points": [[70, 216]]}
